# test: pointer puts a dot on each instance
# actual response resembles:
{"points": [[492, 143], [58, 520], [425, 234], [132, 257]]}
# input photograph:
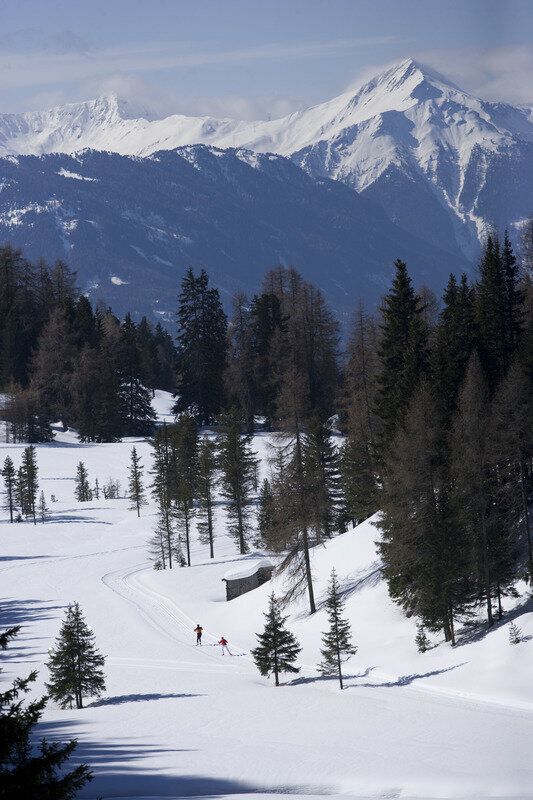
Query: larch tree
{"points": [[75, 664], [52, 367], [136, 493], [207, 465], [184, 454], [337, 644], [278, 649]]}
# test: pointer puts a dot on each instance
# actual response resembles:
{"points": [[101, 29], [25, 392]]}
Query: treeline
{"points": [[60, 360]]}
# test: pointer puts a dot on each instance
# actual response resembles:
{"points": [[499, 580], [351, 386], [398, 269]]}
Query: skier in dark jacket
{"points": [[198, 631]]}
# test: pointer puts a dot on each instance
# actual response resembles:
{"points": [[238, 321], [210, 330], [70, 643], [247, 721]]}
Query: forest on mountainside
{"points": [[426, 417]]}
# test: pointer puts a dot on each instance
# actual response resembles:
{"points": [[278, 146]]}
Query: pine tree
{"points": [[337, 640], [136, 488], [28, 484], [75, 665], [82, 491], [24, 771], [237, 467], [202, 347], [164, 547], [239, 376], [402, 354], [207, 463], [9, 476], [278, 649], [43, 508]]}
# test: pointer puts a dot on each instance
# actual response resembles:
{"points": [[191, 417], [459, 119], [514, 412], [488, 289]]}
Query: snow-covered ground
{"points": [[179, 720]]}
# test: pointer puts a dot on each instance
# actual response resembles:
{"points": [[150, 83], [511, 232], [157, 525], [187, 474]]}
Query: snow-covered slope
{"points": [[177, 720], [444, 164]]}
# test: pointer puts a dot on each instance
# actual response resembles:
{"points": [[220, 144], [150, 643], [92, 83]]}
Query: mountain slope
{"points": [[444, 165], [131, 226]]}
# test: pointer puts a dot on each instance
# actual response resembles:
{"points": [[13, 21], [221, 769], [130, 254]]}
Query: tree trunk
{"points": [[525, 511], [486, 571], [210, 524], [308, 572], [339, 666], [187, 537]]}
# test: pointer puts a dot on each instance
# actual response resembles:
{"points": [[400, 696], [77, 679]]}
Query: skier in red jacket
{"points": [[224, 643]]}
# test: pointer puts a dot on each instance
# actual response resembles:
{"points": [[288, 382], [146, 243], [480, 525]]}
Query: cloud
{"points": [[72, 59]]}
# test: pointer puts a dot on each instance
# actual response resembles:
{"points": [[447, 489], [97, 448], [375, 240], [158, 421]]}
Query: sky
{"points": [[249, 59]]}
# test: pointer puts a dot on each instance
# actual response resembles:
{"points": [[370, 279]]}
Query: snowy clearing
{"points": [[181, 721]]}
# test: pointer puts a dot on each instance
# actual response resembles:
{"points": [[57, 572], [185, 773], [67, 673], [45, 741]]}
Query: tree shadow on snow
{"points": [[475, 631], [122, 767], [405, 680], [327, 678], [20, 612], [136, 698]]}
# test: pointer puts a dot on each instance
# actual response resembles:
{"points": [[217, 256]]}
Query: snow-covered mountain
{"points": [[131, 226], [444, 165]]}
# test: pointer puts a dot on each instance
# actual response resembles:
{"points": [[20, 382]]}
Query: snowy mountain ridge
{"points": [[431, 154]]}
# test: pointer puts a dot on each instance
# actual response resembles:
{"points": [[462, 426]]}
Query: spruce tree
{"points": [[82, 489], [9, 476], [322, 466], [164, 547], [358, 482], [28, 484], [26, 772], [201, 350], [137, 413], [207, 463], [265, 514], [337, 640], [43, 508], [422, 642], [515, 634], [237, 474], [75, 665], [402, 353], [278, 648], [135, 486]]}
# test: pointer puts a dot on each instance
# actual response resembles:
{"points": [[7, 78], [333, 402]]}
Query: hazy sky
{"points": [[252, 59]]}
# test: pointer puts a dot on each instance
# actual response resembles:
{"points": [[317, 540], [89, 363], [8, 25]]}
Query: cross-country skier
{"points": [[198, 631], [224, 643]]}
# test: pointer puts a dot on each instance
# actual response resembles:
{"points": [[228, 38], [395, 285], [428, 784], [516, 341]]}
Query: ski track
{"points": [[158, 611]]}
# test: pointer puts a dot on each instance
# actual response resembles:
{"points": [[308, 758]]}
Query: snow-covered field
{"points": [[179, 720]]}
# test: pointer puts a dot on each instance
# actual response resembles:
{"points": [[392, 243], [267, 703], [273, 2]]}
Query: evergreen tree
{"points": [[423, 548], [202, 347], [265, 514], [24, 771], [337, 640], [28, 484], [82, 491], [75, 664], [239, 376], [207, 463], [135, 487], [43, 508], [237, 467], [422, 642], [9, 476], [359, 487], [278, 648], [137, 413], [322, 466], [402, 354], [515, 634], [164, 547]]}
